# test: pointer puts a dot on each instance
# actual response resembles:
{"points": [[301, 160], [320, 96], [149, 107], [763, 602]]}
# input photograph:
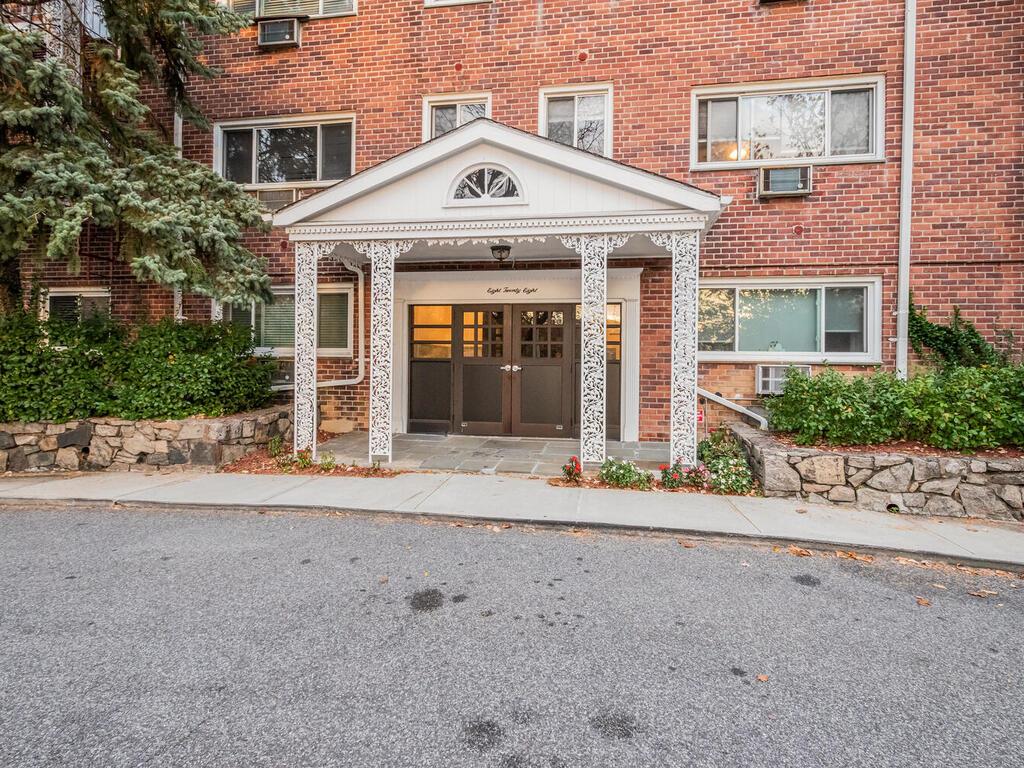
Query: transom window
{"points": [[486, 185], [829, 123], [294, 7], [579, 117], [791, 322], [442, 114]]}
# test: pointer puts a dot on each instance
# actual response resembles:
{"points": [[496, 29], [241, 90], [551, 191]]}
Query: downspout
{"points": [[906, 189]]}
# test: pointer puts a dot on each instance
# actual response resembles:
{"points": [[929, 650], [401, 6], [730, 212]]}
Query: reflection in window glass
{"points": [[590, 123], [778, 320], [717, 137], [238, 156], [561, 119], [851, 122], [783, 126], [844, 319], [286, 154], [716, 320]]}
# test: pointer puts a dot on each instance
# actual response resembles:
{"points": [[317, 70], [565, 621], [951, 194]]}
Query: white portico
{"points": [[484, 184]]}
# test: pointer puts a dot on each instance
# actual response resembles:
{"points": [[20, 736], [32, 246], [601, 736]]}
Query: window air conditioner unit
{"points": [[771, 379], [784, 182], [278, 33]]}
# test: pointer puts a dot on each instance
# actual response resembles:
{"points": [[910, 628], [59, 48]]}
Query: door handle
{"points": [[505, 368], [516, 368]]}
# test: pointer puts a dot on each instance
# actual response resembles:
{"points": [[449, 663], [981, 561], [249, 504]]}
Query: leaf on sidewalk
{"points": [[686, 544], [938, 586], [923, 601], [793, 549], [762, 678]]}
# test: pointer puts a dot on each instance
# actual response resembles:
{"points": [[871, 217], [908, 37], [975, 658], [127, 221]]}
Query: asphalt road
{"points": [[173, 638]]}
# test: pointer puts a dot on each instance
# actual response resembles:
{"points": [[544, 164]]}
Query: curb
{"points": [[812, 544]]}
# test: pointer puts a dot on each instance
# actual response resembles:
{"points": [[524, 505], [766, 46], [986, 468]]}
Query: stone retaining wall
{"points": [[958, 486], [120, 445]]}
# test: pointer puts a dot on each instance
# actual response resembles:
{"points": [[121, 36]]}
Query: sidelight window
{"points": [[432, 332]]}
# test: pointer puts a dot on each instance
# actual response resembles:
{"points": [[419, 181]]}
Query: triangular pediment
{"points": [[551, 179]]}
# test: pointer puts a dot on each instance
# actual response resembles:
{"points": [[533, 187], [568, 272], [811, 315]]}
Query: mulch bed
{"points": [[909, 447], [262, 463]]}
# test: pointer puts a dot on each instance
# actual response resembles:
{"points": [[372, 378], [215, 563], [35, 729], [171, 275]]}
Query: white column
{"points": [[685, 250], [593, 251], [304, 423], [382, 255]]}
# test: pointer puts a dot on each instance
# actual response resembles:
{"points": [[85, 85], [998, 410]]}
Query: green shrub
{"points": [[957, 408], [840, 409], [58, 371], [173, 370], [625, 474], [718, 443]]}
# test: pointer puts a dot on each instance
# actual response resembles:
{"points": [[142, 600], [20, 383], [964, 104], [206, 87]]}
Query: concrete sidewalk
{"points": [[531, 500]]}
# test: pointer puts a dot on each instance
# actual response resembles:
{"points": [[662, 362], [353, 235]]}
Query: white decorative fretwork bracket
{"points": [[593, 251], [382, 255], [307, 257], [685, 250]]}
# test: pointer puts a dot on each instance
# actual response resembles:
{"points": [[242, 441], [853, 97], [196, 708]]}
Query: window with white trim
{"points": [[828, 122], [580, 116], [76, 304], [485, 185], [442, 114], [260, 8], [273, 325], [794, 320], [277, 159]]}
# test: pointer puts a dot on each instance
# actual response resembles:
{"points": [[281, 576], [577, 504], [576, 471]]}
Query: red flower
{"points": [[663, 467], [675, 475]]}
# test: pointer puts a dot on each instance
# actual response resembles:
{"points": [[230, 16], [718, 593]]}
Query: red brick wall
{"points": [[968, 233]]}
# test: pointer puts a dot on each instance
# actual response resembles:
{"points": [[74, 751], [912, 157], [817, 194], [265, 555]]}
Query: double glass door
{"points": [[503, 369]]}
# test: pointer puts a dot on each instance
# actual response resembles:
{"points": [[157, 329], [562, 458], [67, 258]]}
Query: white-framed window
{"points": [[443, 113], [276, 159], [790, 320], [821, 121], [315, 8], [75, 304], [578, 115], [486, 184], [273, 325]]}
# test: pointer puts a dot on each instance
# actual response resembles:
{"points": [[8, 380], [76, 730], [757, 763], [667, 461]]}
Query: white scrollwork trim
{"points": [[306, 257], [685, 250], [382, 255], [593, 251]]}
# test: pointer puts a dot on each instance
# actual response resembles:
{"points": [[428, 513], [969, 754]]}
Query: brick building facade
{"points": [[378, 68]]}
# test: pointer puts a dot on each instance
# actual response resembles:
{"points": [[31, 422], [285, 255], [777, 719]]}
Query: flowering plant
{"points": [[572, 470], [677, 476]]}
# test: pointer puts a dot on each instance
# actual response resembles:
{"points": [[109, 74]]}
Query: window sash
{"points": [[744, 103], [273, 325], [464, 112], [835, 331], [74, 306], [325, 157], [589, 113]]}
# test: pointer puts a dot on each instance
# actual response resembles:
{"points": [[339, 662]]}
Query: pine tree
{"points": [[81, 149]]}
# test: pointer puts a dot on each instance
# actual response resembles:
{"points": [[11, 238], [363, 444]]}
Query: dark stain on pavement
{"points": [[514, 760], [305, 561], [427, 600], [482, 735], [460, 598], [806, 580], [615, 725], [738, 671]]}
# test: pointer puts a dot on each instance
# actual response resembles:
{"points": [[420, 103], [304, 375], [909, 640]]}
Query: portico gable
{"points": [[483, 185]]}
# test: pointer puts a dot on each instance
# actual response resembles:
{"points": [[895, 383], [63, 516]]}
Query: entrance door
{"points": [[483, 366], [542, 370]]}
